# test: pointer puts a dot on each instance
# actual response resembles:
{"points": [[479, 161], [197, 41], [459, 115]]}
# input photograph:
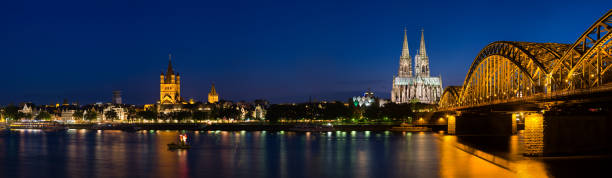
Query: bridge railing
{"points": [[536, 97]]}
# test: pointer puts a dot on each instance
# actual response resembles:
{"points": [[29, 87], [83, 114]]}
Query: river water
{"points": [[90, 153]]}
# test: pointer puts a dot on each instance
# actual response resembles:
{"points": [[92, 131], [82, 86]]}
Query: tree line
{"points": [[338, 111]]}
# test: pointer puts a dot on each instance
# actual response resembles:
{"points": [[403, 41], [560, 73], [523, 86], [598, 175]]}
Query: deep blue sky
{"points": [[284, 51]]}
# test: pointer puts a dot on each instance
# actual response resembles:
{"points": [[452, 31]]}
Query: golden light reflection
{"points": [[534, 134], [457, 163], [459, 160], [451, 124], [167, 158]]}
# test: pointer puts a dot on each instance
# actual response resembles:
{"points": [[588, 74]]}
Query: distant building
{"points": [[368, 99], [116, 97], [420, 87], [67, 115], [121, 112], [26, 109], [213, 97], [149, 107], [29, 111], [259, 112], [169, 86]]}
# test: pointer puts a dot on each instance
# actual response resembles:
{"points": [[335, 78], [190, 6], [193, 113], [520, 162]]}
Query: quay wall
{"points": [[226, 127]]}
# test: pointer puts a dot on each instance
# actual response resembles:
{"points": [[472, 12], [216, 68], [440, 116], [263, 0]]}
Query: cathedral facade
{"points": [[420, 87]]}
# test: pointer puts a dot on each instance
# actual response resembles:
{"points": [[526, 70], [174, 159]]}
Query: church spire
{"points": [[169, 71], [422, 47], [421, 67], [212, 89], [405, 69], [405, 50]]}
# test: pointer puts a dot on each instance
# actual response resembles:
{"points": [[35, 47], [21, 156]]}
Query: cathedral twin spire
{"points": [[405, 69], [422, 47], [421, 60]]}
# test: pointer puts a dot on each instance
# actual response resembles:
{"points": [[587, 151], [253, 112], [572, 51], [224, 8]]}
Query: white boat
{"points": [[35, 124]]}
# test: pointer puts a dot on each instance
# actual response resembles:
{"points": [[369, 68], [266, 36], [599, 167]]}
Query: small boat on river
{"points": [[181, 144], [404, 127]]}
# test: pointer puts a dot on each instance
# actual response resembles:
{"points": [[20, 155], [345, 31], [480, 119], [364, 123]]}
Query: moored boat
{"points": [[181, 144], [35, 124], [404, 127]]}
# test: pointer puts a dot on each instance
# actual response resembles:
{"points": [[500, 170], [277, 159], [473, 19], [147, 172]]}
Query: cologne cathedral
{"points": [[419, 87]]}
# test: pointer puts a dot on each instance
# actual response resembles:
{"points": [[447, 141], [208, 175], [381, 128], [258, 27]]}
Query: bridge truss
{"points": [[506, 71]]}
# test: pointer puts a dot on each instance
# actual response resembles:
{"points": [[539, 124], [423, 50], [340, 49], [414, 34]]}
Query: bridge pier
{"points": [[451, 123], [514, 120], [565, 133]]}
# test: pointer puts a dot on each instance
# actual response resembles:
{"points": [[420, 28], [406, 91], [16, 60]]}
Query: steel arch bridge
{"points": [[506, 71]]}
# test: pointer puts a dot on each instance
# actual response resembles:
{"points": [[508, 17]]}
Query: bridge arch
{"points": [[588, 61], [450, 97], [506, 69]]}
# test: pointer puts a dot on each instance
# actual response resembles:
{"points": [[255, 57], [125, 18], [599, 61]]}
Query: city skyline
{"points": [[85, 58], [317, 88]]}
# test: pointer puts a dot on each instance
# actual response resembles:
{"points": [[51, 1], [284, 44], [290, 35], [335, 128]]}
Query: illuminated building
{"points": [[213, 97], [121, 112], [28, 111], [169, 86], [420, 87], [149, 107], [67, 115], [367, 100], [259, 112]]}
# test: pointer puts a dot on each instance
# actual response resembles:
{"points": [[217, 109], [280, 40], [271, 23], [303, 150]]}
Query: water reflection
{"points": [[82, 153]]}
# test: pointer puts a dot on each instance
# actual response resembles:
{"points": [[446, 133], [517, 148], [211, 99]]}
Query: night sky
{"points": [[283, 51]]}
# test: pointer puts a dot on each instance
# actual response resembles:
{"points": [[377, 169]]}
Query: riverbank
{"points": [[233, 127]]}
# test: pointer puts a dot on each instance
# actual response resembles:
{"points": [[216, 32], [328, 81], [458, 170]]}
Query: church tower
{"points": [[169, 85], [421, 61], [213, 97], [420, 87], [405, 69]]}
